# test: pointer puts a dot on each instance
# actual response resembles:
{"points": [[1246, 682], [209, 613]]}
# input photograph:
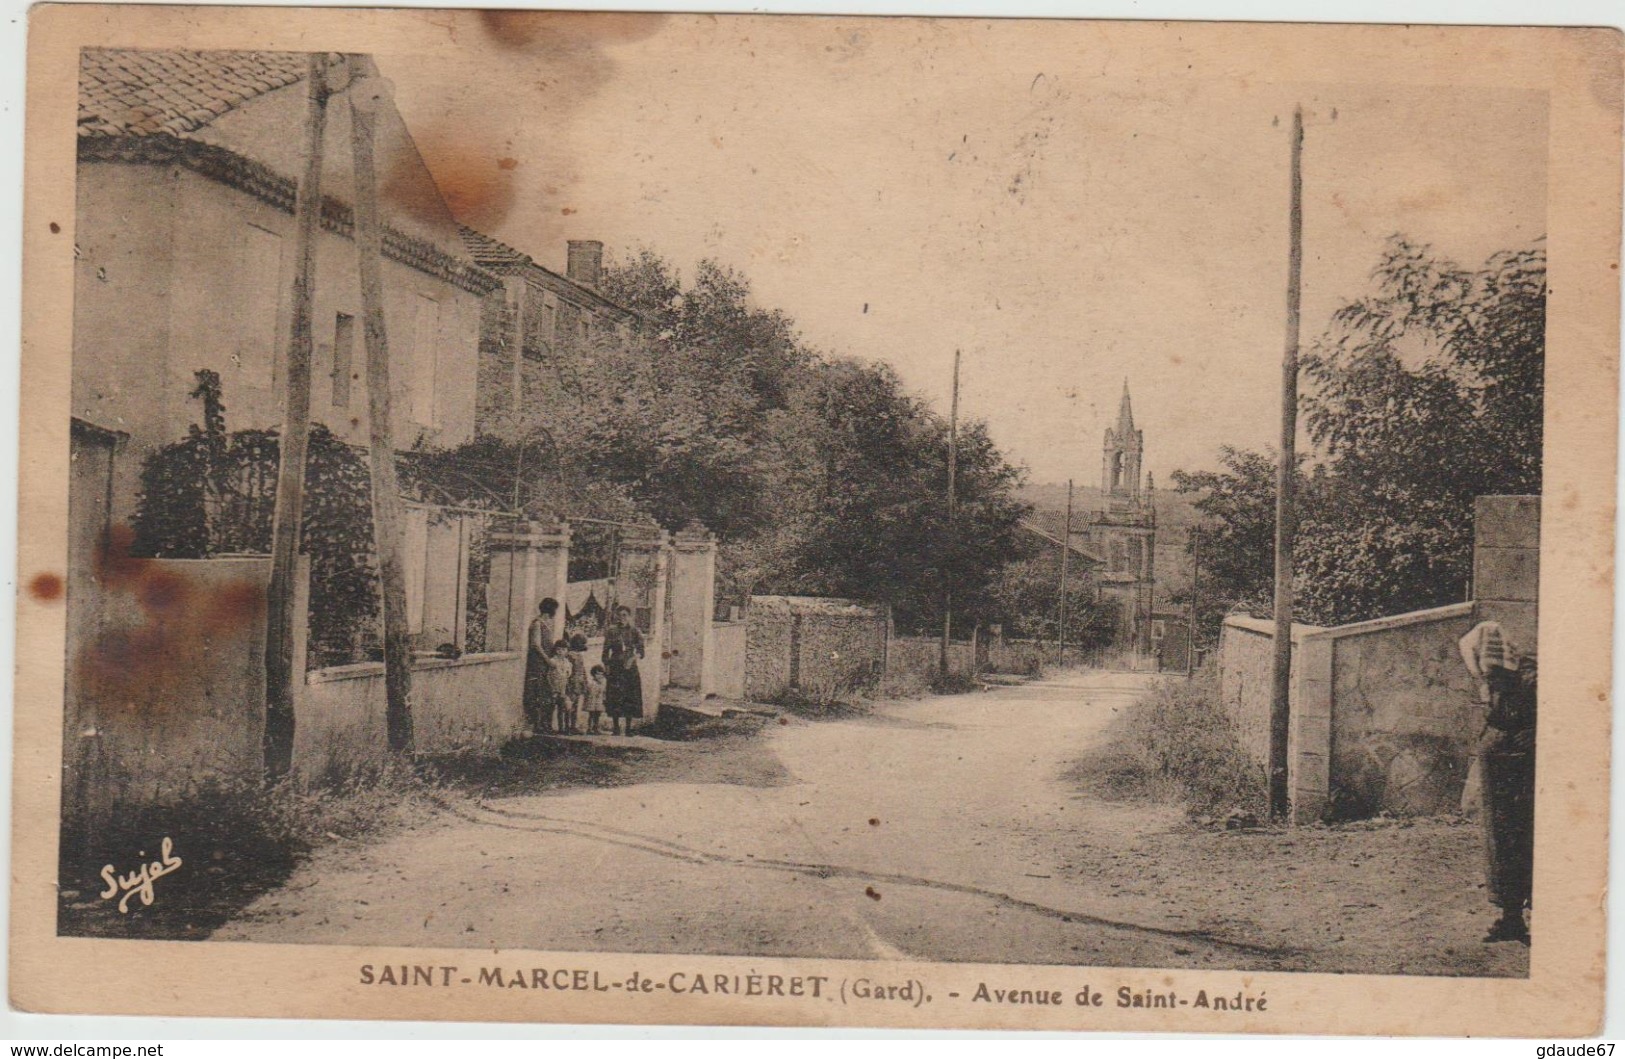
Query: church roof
{"points": [[1125, 413]]}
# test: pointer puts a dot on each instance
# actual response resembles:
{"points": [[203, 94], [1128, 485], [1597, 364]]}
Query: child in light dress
{"points": [[576, 692], [558, 681], [596, 683]]}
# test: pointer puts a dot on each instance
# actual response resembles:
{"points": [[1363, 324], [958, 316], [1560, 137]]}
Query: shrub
{"points": [[1184, 742], [954, 683], [902, 684]]}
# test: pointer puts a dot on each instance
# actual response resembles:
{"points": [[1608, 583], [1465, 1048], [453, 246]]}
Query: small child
{"points": [[595, 697], [577, 689], [558, 681]]}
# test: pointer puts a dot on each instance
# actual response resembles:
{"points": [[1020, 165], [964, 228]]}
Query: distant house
{"points": [[1088, 563], [187, 165], [536, 313]]}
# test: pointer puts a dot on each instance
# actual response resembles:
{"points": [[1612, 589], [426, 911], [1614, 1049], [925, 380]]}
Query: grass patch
{"points": [[235, 841], [1178, 744], [239, 840], [829, 701]]}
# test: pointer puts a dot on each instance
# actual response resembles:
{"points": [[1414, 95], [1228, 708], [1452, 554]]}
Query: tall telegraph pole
{"points": [[1286, 488], [1066, 554], [953, 473], [1196, 590]]}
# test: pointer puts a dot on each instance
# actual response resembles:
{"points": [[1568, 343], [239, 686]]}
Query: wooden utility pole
{"points": [[1286, 489], [366, 88], [1196, 589], [280, 679], [1066, 554], [953, 473]]}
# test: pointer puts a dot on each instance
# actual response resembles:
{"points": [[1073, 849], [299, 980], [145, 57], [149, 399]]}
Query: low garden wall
{"points": [[1382, 711]]}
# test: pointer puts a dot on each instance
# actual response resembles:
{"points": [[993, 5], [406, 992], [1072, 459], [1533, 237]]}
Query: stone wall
{"points": [[1246, 668], [166, 680], [767, 652], [921, 657], [469, 703], [815, 645], [1403, 720], [1382, 718]]}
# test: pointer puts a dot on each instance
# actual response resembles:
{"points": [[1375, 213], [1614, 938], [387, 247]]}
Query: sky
{"points": [[1036, 195]]}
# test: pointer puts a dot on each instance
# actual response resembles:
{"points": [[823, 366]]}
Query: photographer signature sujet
{"points": [[139, 883]]}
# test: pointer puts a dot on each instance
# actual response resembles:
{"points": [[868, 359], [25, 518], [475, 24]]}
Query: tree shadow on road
{"points": [[693, 750]]}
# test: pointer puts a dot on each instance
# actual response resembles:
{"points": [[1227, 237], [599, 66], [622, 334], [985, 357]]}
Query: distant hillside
{"points": [[1175, 516]]}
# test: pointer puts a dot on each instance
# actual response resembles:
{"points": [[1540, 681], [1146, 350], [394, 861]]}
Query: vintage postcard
{"points": [[805, 521]]}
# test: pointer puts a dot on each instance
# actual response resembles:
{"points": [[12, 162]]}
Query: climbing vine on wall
{"points": [[213, 493]]}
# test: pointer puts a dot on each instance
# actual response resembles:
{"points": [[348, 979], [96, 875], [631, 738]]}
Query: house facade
{"points": [[535, 314], [184, 238]]}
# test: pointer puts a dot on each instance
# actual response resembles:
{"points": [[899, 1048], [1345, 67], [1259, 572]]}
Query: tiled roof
{"points": [[125, 92], [1038, 530], [488, 251], [492, 253]]}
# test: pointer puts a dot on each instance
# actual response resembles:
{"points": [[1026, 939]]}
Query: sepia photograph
{"points": [[883, 512]]}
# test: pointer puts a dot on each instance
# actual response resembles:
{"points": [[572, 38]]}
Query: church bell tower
{"points": [[1120, 462]]}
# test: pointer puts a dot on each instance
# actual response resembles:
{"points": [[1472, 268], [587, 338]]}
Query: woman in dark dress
{"points": [[538, 695], [623, 693]]}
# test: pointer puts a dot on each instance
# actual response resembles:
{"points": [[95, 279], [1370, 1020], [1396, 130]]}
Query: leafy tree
{"points": [[878, 525], [818, 474], [1423, 395], [1027, 597], [1237, 505]]}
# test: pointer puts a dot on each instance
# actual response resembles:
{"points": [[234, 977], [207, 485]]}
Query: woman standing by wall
{"points": [[623, 646], [538, 696]]}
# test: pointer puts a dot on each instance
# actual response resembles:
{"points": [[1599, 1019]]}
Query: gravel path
{"points": [[938, 829]]}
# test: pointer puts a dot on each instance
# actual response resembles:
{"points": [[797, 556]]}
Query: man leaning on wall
{"points": [[1506, 682]]}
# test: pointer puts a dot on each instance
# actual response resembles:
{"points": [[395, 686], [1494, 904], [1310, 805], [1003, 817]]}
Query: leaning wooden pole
{"points": [[366, 89], [280, 678], [1285, 491]]}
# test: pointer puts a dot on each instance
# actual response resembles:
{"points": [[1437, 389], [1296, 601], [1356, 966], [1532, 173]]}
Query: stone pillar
{"points": [[693, 605], [1506, 565], [552, 546], [654, 673], [529, 562], [1309, 737]]}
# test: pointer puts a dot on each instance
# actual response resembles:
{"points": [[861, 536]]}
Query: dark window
{"points": [[343, 347], [538, 323]]}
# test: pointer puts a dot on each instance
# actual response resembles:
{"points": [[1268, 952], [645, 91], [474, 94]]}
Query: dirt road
{"points": [[939, 829]]}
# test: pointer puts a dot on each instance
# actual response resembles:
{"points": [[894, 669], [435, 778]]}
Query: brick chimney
{"points": [[586, 262]]}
